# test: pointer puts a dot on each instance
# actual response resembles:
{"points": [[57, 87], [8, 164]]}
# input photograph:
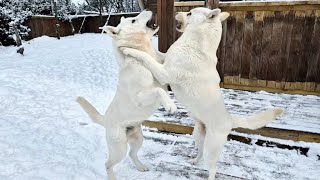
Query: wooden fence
{"points": [[45, 25], [273, 46]]}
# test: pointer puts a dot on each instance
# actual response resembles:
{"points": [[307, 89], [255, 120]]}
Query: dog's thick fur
{"points": [[138, 94], [190, 69]]}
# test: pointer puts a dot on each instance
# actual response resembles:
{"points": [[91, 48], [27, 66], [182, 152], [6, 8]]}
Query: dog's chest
{"points": [[187, 59], [135, 77]]}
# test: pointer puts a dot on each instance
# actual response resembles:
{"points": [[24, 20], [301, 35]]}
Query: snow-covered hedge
{"points": [[14, 13]]}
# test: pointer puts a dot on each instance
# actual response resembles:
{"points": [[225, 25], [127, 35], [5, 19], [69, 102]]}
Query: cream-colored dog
{"points": [[190, 69], [138, 94]]}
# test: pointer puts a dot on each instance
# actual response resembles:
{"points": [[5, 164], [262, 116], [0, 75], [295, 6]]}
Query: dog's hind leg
{"points": [[135, 140], [214, 143], [198, 133], [117, 146]]}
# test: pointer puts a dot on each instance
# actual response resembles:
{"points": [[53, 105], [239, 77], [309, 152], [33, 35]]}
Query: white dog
{"points": [[138, 94], [190, 69]]}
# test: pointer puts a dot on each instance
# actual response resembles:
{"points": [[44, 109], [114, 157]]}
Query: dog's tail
{"points": [[90, 110], [257, 120]]}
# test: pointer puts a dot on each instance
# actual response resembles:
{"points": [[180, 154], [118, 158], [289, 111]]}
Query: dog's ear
{"points": [[223, 16], [122, 18], [112, 31], [213, 13]]}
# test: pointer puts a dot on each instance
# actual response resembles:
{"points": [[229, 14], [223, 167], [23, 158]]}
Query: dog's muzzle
{"points": [[151, 25], [179, 25]]}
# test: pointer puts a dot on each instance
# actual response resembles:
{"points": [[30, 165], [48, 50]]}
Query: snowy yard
{"points": [[44, 134]]}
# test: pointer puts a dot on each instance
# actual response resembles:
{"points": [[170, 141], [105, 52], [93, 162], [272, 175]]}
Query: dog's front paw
{"points": [[170, 107], [142, 168], [122, 49], [194, 161], [127, 51]]}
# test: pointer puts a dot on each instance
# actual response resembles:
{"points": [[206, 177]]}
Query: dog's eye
{"points": [[133, 21], [189, 14]]}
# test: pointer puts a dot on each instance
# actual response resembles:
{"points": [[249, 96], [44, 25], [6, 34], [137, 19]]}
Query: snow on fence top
{"points": [[249, 3], [87, 15]]}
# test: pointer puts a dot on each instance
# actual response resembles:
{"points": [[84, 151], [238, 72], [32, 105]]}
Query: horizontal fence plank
{"points": [[281, 87], [267, 3], [265, 131], [188, 4], [45, 25], [266, 7]]}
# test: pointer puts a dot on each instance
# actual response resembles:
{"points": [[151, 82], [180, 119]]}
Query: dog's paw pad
{"points": [[122, 49], [277, 112], [170, 107], [126, 51], [193, 161], [173, 109]]}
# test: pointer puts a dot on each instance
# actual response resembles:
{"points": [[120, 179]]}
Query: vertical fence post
{"points": [[212, 4], [166, 23], [57, 20]]}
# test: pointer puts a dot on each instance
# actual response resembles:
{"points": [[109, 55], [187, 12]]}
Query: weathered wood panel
{"points": [[247, 45], [45, 25], [221, 51], [296, 47], [165, 17], [256, 44], [313, 53], [266, 45], [237, 43], [229, 46], [275, 65], [267, 132]]}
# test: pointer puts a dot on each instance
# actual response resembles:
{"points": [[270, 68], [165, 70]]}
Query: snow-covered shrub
{"points": [[66, 8], [13, 14], [41, 7], [113, 5], [5, 37]]}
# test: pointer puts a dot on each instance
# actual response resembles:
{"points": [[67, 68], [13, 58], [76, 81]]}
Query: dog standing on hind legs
{"points": [[190, 69], [138, 93]]}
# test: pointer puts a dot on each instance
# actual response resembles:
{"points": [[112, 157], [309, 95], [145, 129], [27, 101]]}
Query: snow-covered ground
{"points": [[301, 111], [44, 134]]}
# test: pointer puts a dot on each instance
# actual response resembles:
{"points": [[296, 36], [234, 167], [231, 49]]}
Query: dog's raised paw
{"points": [[170, 107], [122, 49], [193, 161], [125, 50], [277, 112]]}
